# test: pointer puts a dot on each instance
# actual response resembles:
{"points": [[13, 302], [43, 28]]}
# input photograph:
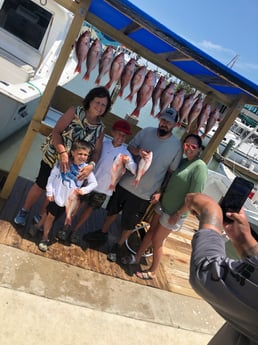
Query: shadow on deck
{"points": [[173, 273]]}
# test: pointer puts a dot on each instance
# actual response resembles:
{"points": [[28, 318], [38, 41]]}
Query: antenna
{"points": [[233, 61]]}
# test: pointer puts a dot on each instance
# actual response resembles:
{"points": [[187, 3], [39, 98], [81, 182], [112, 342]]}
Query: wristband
{"points": [[92, 164]]}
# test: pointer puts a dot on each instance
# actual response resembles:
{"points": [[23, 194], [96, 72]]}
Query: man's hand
{"points": [[84, 172], [155, 198]]}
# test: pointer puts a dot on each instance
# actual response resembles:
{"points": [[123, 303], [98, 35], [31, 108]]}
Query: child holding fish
{"points": [[63, 190], [113, 162]]}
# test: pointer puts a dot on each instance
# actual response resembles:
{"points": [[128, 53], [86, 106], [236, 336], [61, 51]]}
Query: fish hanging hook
{"points": [[43, 2]]}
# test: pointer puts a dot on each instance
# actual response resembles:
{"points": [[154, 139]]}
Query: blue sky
{"points": [[221, 28]]}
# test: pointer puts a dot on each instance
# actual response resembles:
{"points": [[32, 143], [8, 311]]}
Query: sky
{"points": [[221, 28]]}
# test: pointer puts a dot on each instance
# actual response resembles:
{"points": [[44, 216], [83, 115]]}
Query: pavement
{"points": [[45, 301]]}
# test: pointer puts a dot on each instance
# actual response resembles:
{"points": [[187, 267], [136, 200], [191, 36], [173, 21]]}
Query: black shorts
{"points": [[133, 208], [55, 210], [94, 199], [43, 175]]}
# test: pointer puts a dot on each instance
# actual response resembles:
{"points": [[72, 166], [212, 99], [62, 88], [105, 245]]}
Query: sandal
{"points": [[129, 260], [145, 275]]}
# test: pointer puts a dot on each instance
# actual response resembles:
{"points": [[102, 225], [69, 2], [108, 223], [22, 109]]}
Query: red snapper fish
{"points": [[82, 46], [145, 92], [160, 86], [186, 107], [178, 99], [203, 117], [116, 69], [214, 116], [105, 63], [71, 206], [143, 166], [127, 75], [93, 57], [166, 98], [136, 82], [118, 169], [194, 112]]}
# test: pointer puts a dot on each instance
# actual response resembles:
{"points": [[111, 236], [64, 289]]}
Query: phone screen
{"points": [[235, 197]]}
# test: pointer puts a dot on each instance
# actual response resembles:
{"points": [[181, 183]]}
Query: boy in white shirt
{"points": [[61, 185]]}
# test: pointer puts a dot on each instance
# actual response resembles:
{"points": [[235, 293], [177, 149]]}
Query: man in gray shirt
{"points": [[230, 286]]}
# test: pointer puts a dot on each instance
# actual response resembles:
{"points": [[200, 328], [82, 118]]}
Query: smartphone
{"points": [[235, 197]]}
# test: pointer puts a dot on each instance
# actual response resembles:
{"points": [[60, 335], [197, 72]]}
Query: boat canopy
{"points": [[146, 35]]}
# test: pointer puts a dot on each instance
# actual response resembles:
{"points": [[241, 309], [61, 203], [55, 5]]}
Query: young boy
{"points": [[103, 172], [60, 190]]}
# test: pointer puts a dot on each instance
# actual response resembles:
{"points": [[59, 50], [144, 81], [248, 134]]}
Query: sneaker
{"points": [[43, 245], [113, 255], [96, 236], [21, 217], [33, 230], [74, 237], [37, 218], [62, 234]]}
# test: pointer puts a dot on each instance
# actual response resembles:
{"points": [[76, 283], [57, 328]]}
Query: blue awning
{"points": [[150, 34]]}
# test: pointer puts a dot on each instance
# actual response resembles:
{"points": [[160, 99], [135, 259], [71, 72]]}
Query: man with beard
{"points": [[133, 200]]}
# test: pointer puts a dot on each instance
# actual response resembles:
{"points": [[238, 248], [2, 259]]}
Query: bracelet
{"points": [[60, 153], [92, 164]]}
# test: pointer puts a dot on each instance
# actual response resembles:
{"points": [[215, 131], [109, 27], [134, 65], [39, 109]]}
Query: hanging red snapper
{"points": [[105, 63], [194, 113], [166, 98], [127, 75], [93, 57], [82, 46], [143, 166], [161, 84], [145, 92], [203, 117], [136, 82], [214, 116], [71, 206], [185, 109], [178, 99], [116, 69]]}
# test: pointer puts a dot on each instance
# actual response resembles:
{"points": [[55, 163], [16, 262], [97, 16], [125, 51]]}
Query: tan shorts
{"points": [[164, 217]]}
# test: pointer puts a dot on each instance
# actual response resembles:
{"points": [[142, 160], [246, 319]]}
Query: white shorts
{"points": [[164, 217]]}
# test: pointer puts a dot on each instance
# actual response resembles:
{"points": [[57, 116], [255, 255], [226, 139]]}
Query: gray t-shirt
{"points": [[167, 154], [229, 286]]}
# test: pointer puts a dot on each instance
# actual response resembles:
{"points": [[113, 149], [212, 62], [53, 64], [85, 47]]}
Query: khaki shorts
{"points": [[164, 217]]}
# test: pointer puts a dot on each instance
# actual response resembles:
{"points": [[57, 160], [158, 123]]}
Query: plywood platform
{"points": [[173, 272]]}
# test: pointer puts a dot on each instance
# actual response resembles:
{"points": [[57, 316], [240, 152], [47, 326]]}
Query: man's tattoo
{"points": [[253, 251], [206, 217]]}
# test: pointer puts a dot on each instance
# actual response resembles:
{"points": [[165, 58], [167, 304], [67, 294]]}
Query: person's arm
{"points": [[91, 185]]}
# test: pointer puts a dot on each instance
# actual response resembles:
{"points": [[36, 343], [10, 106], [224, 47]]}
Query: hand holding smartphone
{"points": [[235, 197]]}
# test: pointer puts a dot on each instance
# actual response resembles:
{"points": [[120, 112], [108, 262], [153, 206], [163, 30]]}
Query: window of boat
{"points": [[26, 20]]}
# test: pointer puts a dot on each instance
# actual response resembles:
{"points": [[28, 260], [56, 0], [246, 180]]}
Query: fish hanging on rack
{"points": [[178, 99], [136, 82], [144, 93], [105, 63], [203, 117], [166, 98], [127, 75], [194, 112], [82, 46], [185, 109], [160, 86], [116, 69], [214, 116], [93, 57]]}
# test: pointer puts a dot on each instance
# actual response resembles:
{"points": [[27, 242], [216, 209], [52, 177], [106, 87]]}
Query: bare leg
{"points": [[33, 195], [158, 239], [147, 240], [42, 211], [107, 223], [83, 218], [48, 225]]}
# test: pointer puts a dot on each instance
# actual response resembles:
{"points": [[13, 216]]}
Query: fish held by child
{"points": [[143, 166], [71, 206]]}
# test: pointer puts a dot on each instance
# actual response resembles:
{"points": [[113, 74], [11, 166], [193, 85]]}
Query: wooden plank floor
{"points": [[173, 272]]}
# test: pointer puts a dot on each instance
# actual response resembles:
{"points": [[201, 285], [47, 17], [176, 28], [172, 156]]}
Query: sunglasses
{"points": [[190, 146]]}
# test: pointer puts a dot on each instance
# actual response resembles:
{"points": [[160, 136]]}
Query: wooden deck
{"points": [[173, 272]]}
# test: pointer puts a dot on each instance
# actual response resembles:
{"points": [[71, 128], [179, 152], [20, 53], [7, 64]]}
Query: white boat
{"points": [[218, 183], [32, 33]]}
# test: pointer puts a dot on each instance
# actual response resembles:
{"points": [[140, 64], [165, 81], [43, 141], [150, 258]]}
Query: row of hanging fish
{"points": [[142, 83]]}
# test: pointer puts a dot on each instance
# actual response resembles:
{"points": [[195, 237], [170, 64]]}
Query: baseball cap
{"points": [[169, 114], [122, 126]]}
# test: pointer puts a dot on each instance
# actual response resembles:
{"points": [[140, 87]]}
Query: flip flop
{"points": [[145, 275]]}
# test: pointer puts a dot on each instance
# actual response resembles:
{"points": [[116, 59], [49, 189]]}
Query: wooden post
{"points": [[43, 105], [223, 128]]}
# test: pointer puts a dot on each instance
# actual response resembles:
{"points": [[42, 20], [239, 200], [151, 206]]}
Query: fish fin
{"points": [[77, 69]]}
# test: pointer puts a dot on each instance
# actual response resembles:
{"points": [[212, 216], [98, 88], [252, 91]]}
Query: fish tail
{"points": [[77, 69], [136, 112], [108, 85], [120, 93], [86, 76], [152, 111], [97, 81], [129, 98]]}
